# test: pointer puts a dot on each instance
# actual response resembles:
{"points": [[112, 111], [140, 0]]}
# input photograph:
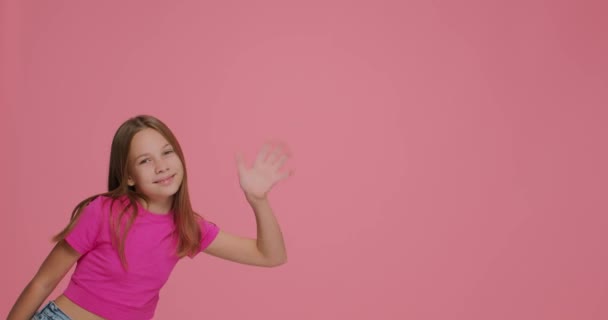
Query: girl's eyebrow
{"points": [[147, 154]]}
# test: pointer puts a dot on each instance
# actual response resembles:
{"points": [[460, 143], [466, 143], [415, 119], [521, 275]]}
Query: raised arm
{"points": [[268, 249]]}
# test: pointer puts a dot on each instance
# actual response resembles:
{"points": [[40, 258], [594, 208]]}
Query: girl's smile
{"points": [[165, 181]]}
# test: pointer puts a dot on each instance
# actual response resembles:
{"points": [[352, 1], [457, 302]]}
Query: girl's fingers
{"points": [[286, 174], [281, 161], [281, 152], [263, 153], [272, 158]]}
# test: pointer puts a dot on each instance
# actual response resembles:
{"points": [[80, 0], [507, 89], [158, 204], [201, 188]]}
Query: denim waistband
{"points": [[51, 312]]}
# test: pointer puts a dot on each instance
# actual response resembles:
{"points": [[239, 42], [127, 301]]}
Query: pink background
{"points": [[451, 155]]}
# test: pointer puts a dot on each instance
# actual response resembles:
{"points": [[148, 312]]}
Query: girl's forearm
{"points": [[29, 301], [269, 237]]}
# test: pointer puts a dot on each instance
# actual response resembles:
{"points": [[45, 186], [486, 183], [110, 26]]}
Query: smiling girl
{"points": [[125, 242]]}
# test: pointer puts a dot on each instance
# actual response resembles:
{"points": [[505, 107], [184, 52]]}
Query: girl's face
{"points": [[154, 168]]}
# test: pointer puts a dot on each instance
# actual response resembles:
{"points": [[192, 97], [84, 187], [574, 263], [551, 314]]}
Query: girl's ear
{"points": [[130, 182]]}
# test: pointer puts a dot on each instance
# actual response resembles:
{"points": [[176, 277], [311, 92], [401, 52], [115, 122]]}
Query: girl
{"points": [[127, 241]]}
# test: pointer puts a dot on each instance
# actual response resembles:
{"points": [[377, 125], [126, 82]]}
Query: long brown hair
{"points": [[187, 230]]}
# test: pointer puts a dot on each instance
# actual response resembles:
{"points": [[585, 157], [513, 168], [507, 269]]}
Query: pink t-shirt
{"points": [[101, 285]]}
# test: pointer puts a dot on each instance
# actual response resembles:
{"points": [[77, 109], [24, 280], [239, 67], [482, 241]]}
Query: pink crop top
{"points": [[99, 283]]}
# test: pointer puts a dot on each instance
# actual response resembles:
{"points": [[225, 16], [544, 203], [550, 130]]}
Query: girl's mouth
{"points": [[165, 181]]}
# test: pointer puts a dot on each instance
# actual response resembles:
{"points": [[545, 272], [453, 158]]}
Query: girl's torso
{"points": [[73, 310]]}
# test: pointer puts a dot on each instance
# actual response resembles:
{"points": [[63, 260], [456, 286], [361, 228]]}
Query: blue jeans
{"points": [[50, 312]]}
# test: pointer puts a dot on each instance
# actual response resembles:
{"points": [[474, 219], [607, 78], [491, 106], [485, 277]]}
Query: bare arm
{"points": [[268, 250], [256, 181], [52, 270]]}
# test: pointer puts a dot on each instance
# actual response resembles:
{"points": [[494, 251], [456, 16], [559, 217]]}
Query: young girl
{"points": [[127, 241]]}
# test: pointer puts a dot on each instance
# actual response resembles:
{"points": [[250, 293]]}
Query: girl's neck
{"points": [[156, 206]]}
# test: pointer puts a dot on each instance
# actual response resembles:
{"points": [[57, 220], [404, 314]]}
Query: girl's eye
{"points": [[144, 161], [168, 151]]}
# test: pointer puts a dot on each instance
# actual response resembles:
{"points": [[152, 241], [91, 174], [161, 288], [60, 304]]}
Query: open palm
{"points": [[257, 180]]}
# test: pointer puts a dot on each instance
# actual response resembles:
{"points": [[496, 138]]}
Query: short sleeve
{"points": [[209, 231], [83, 237]]}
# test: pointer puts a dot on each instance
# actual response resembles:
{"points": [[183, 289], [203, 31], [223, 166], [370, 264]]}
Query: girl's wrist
{"points": [[255, 200]]}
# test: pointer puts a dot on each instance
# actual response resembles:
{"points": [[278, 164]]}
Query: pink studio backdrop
{"points": [[451, 156]]}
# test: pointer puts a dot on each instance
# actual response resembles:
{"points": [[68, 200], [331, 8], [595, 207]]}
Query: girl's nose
{"points": [[161, 166]]}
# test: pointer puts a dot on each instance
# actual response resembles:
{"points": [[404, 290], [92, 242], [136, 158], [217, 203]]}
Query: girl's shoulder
{"points": [[103, 204]]}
